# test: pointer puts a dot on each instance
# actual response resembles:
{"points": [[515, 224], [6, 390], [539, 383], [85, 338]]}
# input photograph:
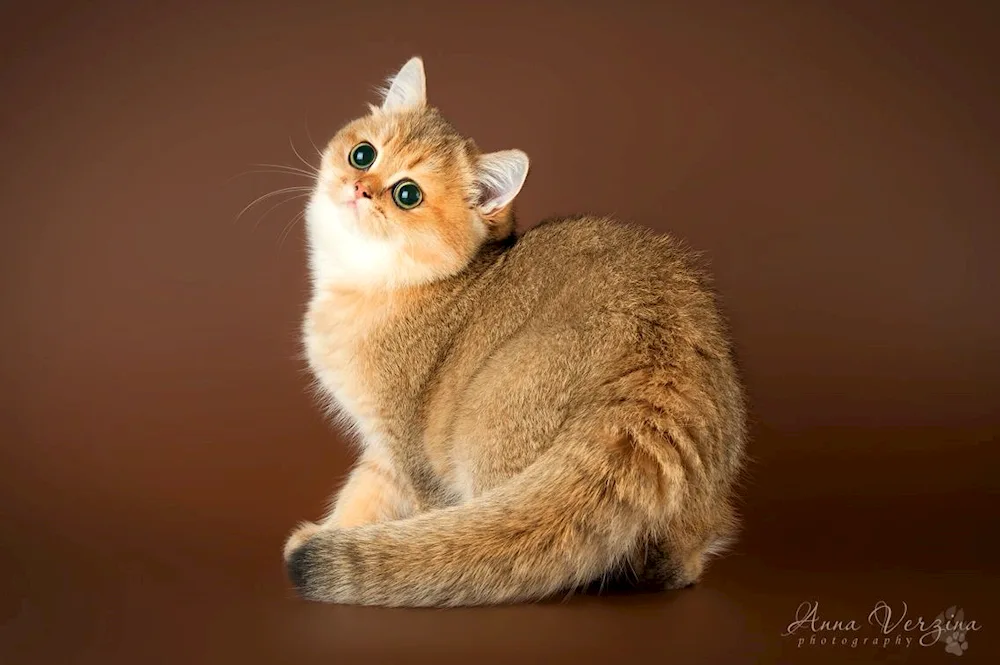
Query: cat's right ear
{"points": [[407, 89], [499, 177]]}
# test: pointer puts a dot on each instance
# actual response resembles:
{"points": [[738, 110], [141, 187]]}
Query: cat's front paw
{"points": [[303, 532]]}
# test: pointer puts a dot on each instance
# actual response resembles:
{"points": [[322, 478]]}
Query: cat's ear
{"points": [[407, 89], [500, 176]]}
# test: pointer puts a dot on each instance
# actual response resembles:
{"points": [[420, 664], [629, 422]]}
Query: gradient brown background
{"points": [[837, 161]]}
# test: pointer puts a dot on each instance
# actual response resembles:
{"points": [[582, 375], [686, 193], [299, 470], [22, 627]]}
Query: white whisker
{"points": [[293, 169], [269, 195], [287, 231], [296, 197], [280, 169], [319, 152], [270, 171], [301, 158]]}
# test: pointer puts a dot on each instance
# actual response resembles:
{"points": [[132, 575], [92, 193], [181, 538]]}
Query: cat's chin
{"points": [[326, 210], [342, 207], [342, 252]]}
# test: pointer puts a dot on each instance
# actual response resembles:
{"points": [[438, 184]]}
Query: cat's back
{"points": [[600, 263], [608, 247], [581, 314]]}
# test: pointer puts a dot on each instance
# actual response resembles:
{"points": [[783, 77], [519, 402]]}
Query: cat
{"points": [[536, 412]]}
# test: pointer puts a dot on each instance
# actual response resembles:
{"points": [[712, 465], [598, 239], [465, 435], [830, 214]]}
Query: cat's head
{"points": [[402, 198]]}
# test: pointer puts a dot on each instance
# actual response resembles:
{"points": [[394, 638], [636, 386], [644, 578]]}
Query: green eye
{"points": [[362, 155], [407, 195]]}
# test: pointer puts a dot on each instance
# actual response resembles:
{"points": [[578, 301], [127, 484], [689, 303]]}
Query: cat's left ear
{"points": [[407, 89], [499, 177]]}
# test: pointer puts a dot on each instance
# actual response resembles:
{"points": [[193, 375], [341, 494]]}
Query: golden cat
{"points": [[535, 412]]}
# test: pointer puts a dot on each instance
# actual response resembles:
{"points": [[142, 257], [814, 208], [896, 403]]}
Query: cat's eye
{"points": [[407, 194], [362, 155]]}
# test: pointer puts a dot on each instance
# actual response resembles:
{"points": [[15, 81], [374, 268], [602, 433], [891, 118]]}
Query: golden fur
{"points": [[535, 412]]}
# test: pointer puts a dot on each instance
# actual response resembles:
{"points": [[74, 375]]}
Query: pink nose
{"points": [[361, 190]]}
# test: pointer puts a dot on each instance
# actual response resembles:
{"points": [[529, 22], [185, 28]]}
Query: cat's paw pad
{"points": [[303, 532]]}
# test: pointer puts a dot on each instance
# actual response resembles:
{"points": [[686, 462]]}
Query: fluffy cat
{"points": [[535, 412]]}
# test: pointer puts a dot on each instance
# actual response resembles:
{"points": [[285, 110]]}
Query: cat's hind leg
{"points": [[677, 557]]}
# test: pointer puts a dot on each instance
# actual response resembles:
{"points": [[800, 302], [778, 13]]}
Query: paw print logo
{"points": [[953, 634]]}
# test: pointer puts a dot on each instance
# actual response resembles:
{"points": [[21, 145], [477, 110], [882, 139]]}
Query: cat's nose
{"points": [[362, 190]]}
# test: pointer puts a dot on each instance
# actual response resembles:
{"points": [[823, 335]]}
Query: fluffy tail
{"points": [[575, 514]]}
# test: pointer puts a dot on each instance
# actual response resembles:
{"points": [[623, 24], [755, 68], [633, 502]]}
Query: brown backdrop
{"points": [[837, 161]]}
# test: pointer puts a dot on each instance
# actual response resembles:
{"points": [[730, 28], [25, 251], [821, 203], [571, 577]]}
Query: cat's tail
{"points": [[576, 513]]}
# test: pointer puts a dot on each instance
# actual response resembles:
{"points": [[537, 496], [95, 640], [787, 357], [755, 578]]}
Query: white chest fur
{"points": [[341, 256]]}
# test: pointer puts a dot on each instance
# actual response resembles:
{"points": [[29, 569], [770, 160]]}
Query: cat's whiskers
{"points": [[302, 159], [296, 197], [272, 171], [284, 168], [319, 153], [280, 169], [299, 190], [287, 231]]}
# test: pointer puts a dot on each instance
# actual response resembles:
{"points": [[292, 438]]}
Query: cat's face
{"points": [[402, 198]]}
